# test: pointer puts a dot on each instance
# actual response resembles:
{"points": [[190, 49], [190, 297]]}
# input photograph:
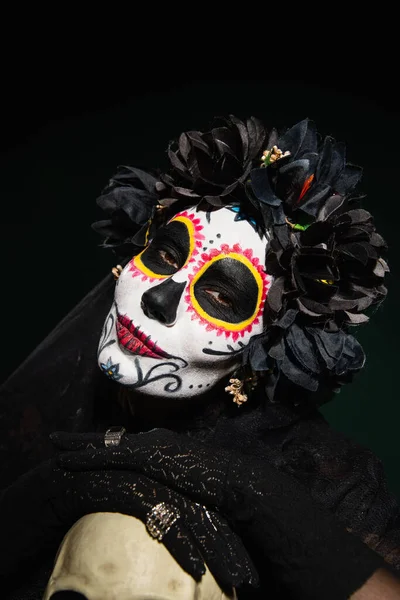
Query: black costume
{"points": [[340, 474], [60, 387]]}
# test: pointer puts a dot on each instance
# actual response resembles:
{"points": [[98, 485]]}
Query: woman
{"points": [[195, 311]]}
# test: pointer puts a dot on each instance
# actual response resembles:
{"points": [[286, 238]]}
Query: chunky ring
{"points": [[113, 436], [160, 520]]}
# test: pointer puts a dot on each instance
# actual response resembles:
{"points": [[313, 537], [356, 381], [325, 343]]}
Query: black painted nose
{"points": [[161, 301]]}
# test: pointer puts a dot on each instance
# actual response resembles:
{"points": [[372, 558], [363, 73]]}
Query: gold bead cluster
{"points": [[271, 156], [236, 389]]}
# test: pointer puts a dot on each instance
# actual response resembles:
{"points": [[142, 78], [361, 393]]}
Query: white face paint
{"points": [[110, 556], [186, 305]]}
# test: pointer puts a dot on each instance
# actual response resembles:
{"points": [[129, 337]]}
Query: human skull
{"points": [[110, 556]]}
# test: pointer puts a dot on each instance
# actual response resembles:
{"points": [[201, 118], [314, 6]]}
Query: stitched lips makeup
{"points": [[136, 341]]}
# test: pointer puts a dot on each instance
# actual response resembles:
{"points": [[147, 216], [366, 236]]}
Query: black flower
{"points": [[325, 277], [298, 184], [333, 270], [309, 357], [130, 200], [213, 166]]}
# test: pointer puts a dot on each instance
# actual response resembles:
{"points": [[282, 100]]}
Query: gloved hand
{"points": [[39, 508], [313, 554]]}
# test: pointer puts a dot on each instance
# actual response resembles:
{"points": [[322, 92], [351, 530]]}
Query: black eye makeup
{"points": [[227, 290], [167, 252]]}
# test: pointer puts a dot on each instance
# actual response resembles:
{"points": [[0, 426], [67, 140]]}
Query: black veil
{"points": [[55, 387]]}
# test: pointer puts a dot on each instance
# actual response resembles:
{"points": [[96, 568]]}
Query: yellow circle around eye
{"points": [[218, 322], [137, 261]]}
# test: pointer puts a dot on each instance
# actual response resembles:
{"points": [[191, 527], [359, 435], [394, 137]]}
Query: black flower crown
{"points": [[325, 254]]}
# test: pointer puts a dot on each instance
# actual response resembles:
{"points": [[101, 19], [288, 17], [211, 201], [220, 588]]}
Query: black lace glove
{"points": [[313, 554], [39, 508]]}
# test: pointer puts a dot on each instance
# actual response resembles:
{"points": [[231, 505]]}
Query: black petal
{"points": [[262, 188]]}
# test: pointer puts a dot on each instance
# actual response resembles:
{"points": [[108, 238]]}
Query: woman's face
{"points": [[185, 306]]}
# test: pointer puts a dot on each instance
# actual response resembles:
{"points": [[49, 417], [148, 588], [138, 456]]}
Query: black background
{"points": [[69, 119]]}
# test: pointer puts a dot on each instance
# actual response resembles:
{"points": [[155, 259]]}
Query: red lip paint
{"points": [[136, 341]]}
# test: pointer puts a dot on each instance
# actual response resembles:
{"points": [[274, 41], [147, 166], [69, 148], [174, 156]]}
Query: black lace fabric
{"points": [[341, 475], [350, 481]]}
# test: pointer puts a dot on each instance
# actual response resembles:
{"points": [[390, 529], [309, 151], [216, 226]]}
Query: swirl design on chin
{"points": [[144, 379]]}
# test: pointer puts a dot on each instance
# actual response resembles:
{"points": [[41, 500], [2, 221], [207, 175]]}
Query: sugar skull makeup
{"points": [[186, 305]]}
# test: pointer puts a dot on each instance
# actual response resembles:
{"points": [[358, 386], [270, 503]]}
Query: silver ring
{"points": [[160, 520], [113, 436]]}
